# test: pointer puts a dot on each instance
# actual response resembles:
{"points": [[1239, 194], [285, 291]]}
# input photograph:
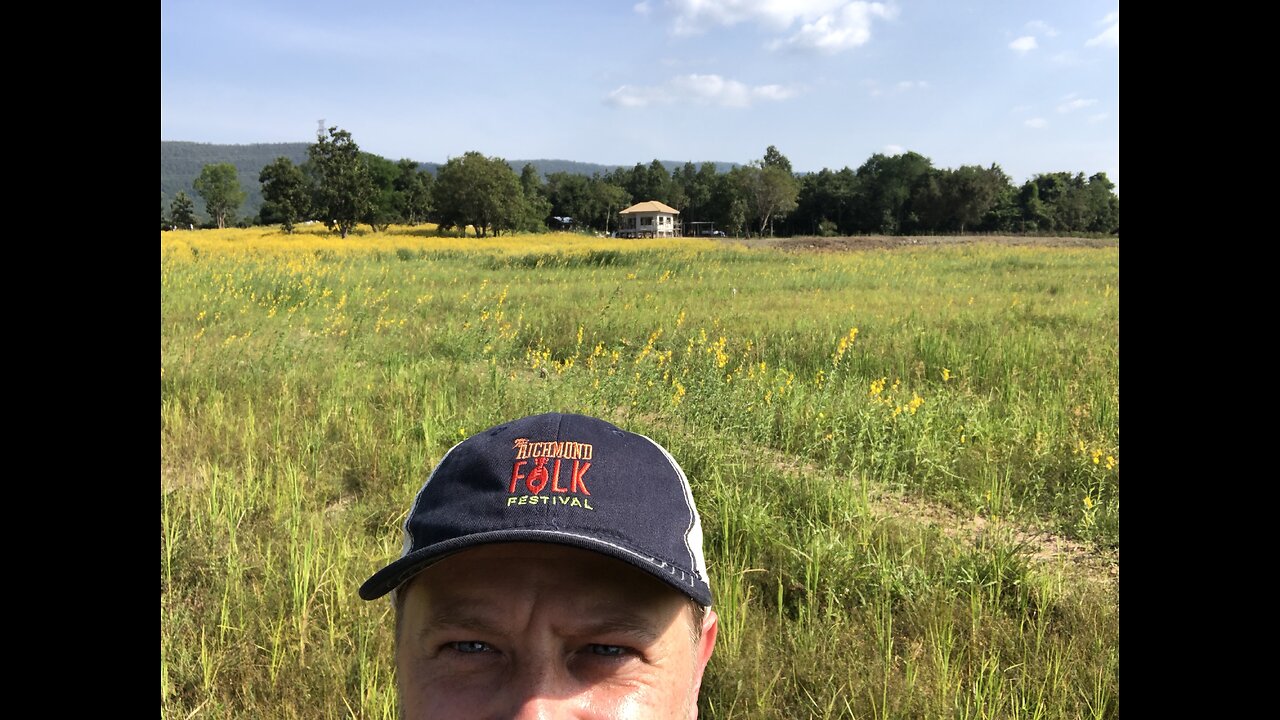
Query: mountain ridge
{"points": [[182, 160]]}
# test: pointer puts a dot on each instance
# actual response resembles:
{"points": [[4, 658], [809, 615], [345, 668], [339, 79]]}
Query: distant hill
{"points": [[546, 167], [180, 164]]}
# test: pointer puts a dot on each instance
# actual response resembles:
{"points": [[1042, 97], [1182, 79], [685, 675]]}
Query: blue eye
{"points": [[608, 650], [471, 646]]}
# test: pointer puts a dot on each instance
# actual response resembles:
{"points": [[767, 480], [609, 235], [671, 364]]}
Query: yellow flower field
{"points": [[875, 439]]}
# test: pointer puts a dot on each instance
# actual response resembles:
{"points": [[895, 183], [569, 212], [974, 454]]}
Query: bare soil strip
{"points": [[893, 242], [1037, 544]]}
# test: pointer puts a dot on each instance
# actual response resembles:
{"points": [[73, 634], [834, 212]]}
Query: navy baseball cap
{"points": [[564, 479]]}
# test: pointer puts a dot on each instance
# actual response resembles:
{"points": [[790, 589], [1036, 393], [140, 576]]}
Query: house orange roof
{"points": [[649, 207]]}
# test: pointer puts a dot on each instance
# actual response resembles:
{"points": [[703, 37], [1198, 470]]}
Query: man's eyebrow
{"points": [[642, 629], [461, 619], [458, 621], [601, 620]]}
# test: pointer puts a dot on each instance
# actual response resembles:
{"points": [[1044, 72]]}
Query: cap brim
{"points": [[395, 574]]}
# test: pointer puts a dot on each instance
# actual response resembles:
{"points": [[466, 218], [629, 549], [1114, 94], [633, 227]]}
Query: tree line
{"points": [[344, 187]]}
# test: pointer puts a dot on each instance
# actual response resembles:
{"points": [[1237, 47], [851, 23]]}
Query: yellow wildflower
{"points": [[678, 397]]}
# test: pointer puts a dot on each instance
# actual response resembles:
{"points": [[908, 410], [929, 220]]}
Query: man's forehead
{"points": [[540, 563], [643, 624], [586, 582]]}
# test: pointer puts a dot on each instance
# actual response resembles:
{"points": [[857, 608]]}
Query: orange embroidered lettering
{"points": [[538, 476], [575, 481], [555, 479], [515, 475]]}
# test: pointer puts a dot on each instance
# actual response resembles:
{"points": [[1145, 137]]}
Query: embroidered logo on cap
{"points": [[536, 473]]}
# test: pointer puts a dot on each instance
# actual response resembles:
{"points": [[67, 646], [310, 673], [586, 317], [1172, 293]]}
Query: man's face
{"points": [[526, 630]]}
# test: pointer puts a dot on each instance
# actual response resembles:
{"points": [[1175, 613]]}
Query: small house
{"points": [[648, 219]]}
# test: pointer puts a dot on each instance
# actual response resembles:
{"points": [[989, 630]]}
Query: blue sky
{"points": [[1031, 85]]}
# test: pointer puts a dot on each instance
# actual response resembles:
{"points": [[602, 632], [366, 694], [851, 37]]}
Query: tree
{"points": [[286, 193], [766, 192], [219, 185], [699, 189], [344, 191], [956, 200], [384, 201], [536, 206], [932, 204], [1035, 215], [724, 207], [1005, 215], [885, 184], [773, 190], [685, 189], [775, 159], [657, 183], [644, 182], [1104, 203], [570, 197], [479, 191], [973, 192], [825, 197], [182, 211], [605, 202], [414, 192], [1071, 209]]}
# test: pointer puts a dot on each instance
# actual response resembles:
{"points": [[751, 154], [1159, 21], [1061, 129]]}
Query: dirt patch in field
{"points": [[1037, 544], [893, 242]]}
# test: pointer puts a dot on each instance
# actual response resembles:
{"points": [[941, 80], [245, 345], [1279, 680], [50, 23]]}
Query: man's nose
{"points": [[543, 691], [541, 708]]}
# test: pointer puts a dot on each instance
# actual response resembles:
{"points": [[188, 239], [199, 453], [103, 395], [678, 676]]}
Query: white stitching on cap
{"points": [[653, 562], [404, 529], [693, 534], [408, 537]]}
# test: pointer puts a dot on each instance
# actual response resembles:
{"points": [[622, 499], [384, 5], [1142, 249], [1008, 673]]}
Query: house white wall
{"points": [[660, 224]]}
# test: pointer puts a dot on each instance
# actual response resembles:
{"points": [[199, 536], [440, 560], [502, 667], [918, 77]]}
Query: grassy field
{"points": [[907, 460]]}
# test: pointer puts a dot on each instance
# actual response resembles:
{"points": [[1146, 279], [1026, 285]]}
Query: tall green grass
{"points": [[305, 398]]}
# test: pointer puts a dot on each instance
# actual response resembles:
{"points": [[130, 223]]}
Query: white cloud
{"points": [[692, 16], [894, 149], [1098, 117], [772, 92], [701, 90], [825, 25], [1024, 44], [1107, 38], [1072, 105], [833, 32], [642, 8], [905, 85], [1110, 18], [1041, 27], [1037, 123]]}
